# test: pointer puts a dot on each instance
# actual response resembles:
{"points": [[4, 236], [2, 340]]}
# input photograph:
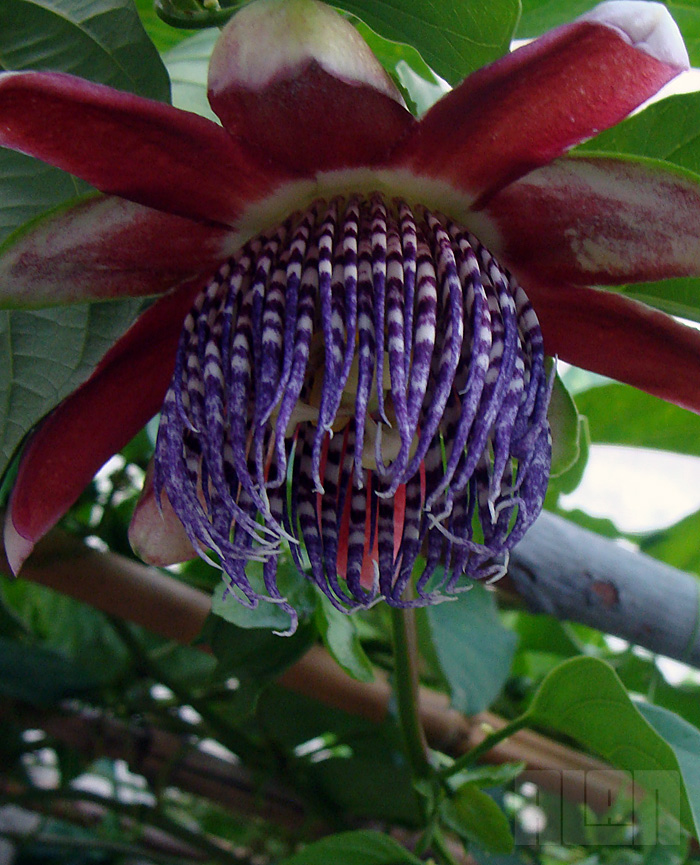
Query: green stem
{"points": [[441, 848], [406, 685], [471, 757]]}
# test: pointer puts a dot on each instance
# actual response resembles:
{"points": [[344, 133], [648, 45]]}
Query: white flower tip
{"points": [[17, 547], [645, 25], [156, 534], [270, 38]]}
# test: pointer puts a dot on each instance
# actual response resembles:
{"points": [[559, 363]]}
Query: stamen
{"points": [[369, 385]]}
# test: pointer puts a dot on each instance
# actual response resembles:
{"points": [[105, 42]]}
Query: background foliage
{"points": [[351, 775]]}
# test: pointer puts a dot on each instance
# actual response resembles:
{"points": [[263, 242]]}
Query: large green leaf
{"points": [[668, 129], [475, 651], [45, 355], [354, 848], [454, 38], [584, 699], [28, 188], [684, 739], [102, 40]]}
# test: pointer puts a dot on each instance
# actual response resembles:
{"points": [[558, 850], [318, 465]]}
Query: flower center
{"points": [[368, 383]]}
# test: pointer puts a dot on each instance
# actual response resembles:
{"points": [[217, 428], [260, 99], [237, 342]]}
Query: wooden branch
{"points": [[574, 574], [166, 606]]}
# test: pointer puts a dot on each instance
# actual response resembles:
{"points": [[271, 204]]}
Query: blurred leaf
{"points": [[684, 739], [188, 65], [474, 816], [102, 40], [538, 633], [39, 676], [584, 699], [474, 649], [638, 419], [565, 424], [73, 629], [642, 676], [454, 39], [339, 634], [354, 848], [356, 766], [677, 545], [406, 65], [253, 656], [489, 775]]}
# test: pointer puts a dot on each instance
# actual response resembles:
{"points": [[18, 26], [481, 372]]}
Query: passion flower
{"points": [[359, 373], [354, 352]]}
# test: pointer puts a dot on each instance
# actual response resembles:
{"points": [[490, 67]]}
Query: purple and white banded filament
{"points": [[360, 354]]}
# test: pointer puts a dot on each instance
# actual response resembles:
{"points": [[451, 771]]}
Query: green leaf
{"points": [[46, 354], [454, 39], [475, 817], [677, 545], [28, 188], [253, 656], [538, 16], [293, 586], [188, 65], [668, 129], [70, 628], [584, 699], [684, 739], [339, 634], [565, 424], [102, 40], [39, 676], [474, 649], [648, 420], [354, 848]]}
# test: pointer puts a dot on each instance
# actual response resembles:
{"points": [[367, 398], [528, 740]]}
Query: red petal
{"points": [[598, 220], [98, 419], [123, 144], [105, 248], [620, 338], [299, 83], [531, 106]]}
